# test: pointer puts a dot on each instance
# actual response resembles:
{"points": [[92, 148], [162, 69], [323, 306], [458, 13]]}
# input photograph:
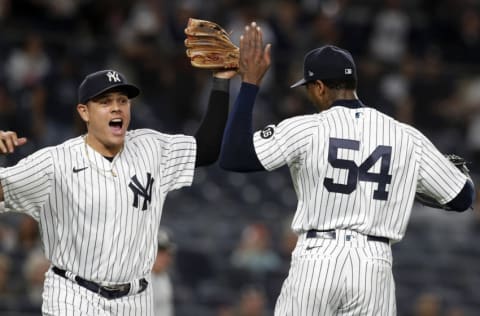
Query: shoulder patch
{"points": [[267, 132]]}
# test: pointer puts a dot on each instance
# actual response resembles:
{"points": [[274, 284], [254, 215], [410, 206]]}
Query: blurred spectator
{"points": [[252, 302], [8, 237], [161, 282], [471, 101], [395, 89], [455, 311], [390, 32], [433, 89], [28, 234], [7, 287], [7, 109], [427, 304], [34, 269], [254, 253], [29, 65], [61, 102], [466, 47]]}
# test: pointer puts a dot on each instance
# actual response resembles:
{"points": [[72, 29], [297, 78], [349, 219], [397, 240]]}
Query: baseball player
{"points": [[98, 197], [355, 171]]}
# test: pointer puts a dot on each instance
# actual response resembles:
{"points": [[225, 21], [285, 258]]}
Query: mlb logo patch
{"points": [[348, 71]]}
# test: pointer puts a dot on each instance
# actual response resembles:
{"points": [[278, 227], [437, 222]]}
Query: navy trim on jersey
{"points": [[352, 104], [238, 152], [464, 199]]}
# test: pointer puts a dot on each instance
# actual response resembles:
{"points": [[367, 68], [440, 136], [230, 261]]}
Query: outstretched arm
{"points": [[8, 141], [238, 151], [209, 134]]}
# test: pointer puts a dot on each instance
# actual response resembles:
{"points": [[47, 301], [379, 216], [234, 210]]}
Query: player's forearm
{"points": [[238, 152], [209, 134]]}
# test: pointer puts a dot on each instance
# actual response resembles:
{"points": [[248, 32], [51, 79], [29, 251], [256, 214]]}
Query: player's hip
{"points": [[340, 242], [62, 296]]}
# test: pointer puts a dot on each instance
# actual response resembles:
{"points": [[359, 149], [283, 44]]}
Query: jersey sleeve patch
{"points": [[267, 132]]}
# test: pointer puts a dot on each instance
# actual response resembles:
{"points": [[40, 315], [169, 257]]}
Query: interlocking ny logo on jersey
{"points": [[113, 76], [143, 191]]}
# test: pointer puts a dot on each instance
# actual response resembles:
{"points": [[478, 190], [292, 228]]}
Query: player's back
{"points": [[362, 170]]}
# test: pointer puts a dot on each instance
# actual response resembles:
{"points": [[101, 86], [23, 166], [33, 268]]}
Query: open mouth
{"points": [[116, 125]]}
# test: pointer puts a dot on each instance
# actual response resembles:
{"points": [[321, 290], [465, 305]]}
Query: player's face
{"points": [[107, 118]]}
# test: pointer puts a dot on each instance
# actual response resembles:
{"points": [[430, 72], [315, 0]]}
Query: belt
{"points": [[109, 292], [331, 234]]}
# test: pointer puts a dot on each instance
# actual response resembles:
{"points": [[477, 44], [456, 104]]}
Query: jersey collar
{"points": [[352, 104]]}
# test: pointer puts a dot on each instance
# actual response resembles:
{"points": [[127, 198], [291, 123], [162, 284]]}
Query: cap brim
{"points": [[300, 82], [130, 90]]}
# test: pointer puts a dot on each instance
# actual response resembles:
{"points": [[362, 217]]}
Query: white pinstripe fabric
{"points": [[89, 222], [302, 143], [339, 277], [64, 297], [354, 170]]}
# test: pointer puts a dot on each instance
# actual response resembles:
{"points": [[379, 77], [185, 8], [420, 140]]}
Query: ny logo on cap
{"points": [[113, 76], [348, 71]]}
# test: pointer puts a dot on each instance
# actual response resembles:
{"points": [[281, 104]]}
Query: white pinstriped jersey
{"points": [[357, 169], [99, 219]]}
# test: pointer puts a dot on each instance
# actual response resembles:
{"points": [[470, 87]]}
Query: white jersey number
{"points": [[359, 173]]}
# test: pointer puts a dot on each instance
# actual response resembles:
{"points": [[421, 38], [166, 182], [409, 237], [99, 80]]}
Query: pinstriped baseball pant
{"points": [[63, 297], [342, 276]]}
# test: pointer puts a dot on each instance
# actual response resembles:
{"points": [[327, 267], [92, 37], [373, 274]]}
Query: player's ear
{"points": [[82, 110], [319, 88]]}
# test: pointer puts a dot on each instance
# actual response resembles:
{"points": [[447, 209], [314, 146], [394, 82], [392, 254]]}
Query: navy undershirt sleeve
{"points": [[238, 151], [209, 135], [464, 199]]}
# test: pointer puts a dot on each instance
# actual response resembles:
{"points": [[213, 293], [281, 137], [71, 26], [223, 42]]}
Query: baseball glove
{"points": [[426, 200], [209, 46]]}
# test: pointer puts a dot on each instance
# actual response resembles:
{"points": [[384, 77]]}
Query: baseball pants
{"points": [[64, 297], [344, 275]]}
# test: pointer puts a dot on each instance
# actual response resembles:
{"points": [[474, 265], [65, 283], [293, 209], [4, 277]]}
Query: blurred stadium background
{"points": [[417, 60]]}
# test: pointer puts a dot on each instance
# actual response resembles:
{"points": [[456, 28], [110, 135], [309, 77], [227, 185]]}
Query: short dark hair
{"points": [[340, 84]]}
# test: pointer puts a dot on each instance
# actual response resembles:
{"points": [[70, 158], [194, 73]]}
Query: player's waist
{"points": [[110, 291], [343, 235]]}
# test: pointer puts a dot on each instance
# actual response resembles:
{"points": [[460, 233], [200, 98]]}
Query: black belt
{"points": [[331, 234], [109, 292]]}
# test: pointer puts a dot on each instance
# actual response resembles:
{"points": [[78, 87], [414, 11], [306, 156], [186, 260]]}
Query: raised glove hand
{"points": [[209, 46], [426, 200]]}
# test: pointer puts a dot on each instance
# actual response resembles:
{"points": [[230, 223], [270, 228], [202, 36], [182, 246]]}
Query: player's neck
{"points": [[101, 148], [335, 95]]}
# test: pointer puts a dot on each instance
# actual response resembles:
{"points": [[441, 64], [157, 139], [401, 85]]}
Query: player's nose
{"points": [[116, 106]]}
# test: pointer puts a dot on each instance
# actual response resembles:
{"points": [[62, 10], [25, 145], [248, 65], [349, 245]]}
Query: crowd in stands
{"points": [[417, 61]]}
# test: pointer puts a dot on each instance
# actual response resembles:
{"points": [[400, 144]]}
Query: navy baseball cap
{"points": [[327, 62], [103, 81]]}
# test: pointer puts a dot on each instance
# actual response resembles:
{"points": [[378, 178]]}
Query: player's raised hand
{"points": [[9, 140], [254, 55]]}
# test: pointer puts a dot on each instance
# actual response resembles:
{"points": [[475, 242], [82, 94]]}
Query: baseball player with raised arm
{"points": [[98, 197], [355, 171]]}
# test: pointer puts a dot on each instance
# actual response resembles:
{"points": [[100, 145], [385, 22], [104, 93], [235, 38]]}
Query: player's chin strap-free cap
{"points": [[327, 62], [103, 81]]}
